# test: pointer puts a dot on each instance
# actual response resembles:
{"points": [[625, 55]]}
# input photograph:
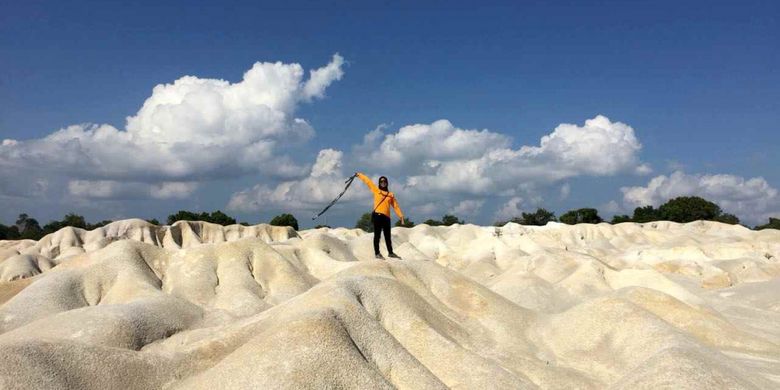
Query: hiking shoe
{"points": [[379, 256], [393, 255]]}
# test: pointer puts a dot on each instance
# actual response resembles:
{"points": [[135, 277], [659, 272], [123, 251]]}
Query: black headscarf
{"points": [[380, 183]]}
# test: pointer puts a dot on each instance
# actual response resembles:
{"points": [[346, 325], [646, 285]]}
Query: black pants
{"points": [[381, 224]]}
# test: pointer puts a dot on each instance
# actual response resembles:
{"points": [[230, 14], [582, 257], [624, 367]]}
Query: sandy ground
{"points": [[195, 305]]}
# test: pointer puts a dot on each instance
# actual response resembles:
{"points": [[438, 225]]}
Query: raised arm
{"points": [[369, 183]]}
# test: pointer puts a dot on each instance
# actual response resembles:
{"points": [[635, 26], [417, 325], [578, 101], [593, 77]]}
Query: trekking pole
{"points": [[349, 183]]}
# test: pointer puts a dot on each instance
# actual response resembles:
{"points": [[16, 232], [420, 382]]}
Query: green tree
{"points": [[730, 219], [646, 214], [449, 220], [432, 222], [584, 215], [365, 223], [540, 217], [183, 215], [322, 226], [620, 219], [689, 209], [28, 228], [153, 221], [285, 220], [93, 226], [407, 223], [9, 232], [774, 223], [223, 219]]}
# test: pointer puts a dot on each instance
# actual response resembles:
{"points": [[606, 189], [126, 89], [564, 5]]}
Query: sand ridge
{"points": [[197, 305]]}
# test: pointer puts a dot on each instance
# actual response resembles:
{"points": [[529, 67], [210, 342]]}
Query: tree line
{"points": [[27, 227], [681, 209]]}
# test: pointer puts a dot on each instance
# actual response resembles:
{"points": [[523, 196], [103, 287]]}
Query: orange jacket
{"points": [[382, 199]]}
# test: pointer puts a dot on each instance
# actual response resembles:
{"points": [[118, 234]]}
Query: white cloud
{"points": [[112, 189], [325, 182], [610, 208], [191, 129], [443, 167], [750, 199], [565, 191], [510, 209], [468, 208], [440, 157]]}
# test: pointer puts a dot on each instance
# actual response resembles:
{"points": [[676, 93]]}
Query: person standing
{"points": [[380, 216]]}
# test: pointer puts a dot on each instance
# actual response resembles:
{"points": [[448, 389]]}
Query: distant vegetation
{"points": [[774, 223], [586, 215], [680, 209], [447, 220], [217, 217], [538, 218], [407, 223], [285, 220], [364, 223], [27, 227]]}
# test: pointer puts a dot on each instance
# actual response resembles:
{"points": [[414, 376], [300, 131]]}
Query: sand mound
{"points": [[196, 305]]}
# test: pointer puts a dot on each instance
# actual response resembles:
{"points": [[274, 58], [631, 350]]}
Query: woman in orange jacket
{"points": [[380, 216]]}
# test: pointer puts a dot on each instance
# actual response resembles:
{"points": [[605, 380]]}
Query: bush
{"points": [[153, 221], [620, 219], [407, 223], [322, 226], [432, 222], [689, 209], [646, 214], [285, 220], [449, 220], [774, 223], [538, 218], [9, 232], [730, 219], [217, 217], [585, 215], [364, 223], [28, 228]]}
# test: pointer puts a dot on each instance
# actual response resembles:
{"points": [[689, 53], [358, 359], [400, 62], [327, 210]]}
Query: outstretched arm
{"points": [[369, 183]]}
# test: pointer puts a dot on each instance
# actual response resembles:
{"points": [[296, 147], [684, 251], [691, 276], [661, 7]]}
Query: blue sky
{"points": [[697, 82]]}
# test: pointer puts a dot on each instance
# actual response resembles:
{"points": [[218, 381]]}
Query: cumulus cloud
{"points": [[511, 209], [565, 191], [325, 182], [111, 189], [442, 157], [752, 199], [468, 207], [443, 168], [188, 130]]}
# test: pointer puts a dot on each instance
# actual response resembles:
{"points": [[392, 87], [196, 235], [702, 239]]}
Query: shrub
{"points": [[730, 219], [285, 220], [217, 217], [449, 220], [407, 223], [689, 209], [585, 215], [538, 218], [774, 223], [620, 219], [364, 223], [646, 214], [9, 232]]}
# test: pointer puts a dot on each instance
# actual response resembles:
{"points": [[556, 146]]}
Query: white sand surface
{"points": [[200, 306]]}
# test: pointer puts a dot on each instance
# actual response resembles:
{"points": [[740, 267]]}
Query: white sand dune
{"points": [[195, 305]]}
